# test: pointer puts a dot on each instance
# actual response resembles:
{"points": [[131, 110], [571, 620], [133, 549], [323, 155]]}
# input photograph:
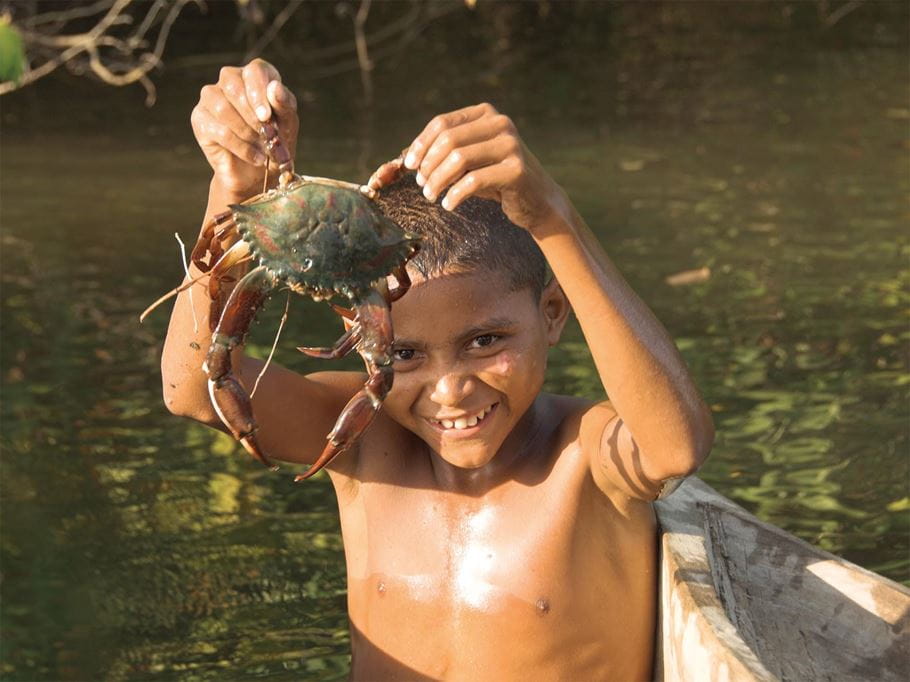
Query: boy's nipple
{"points": [[542, 606]]}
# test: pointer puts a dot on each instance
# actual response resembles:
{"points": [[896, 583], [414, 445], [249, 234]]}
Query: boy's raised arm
{"points": [[294, 413], [656, 427]]}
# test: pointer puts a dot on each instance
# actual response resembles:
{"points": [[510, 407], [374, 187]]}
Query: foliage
{"points": [[12, 52]]}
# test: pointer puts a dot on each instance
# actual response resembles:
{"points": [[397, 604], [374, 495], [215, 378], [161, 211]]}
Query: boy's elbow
{"points": [[174, 399], [189, 405], [690, 452], [699, 447], [185, 397]]}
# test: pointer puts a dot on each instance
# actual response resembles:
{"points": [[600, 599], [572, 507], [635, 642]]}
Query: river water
{"points": [[139, 546]]}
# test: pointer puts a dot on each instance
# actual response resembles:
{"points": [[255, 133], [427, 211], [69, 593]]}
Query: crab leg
{"points": [[388, 173], [235, 255], [278, 151], [341, 184], [375, 320], [215, 228], [404, 282], [342, 347], [231, 400], [346, 313]]}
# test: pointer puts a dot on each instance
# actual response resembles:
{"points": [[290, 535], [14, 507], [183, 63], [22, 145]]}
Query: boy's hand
{"points": [[476, 151], [227, 118]]}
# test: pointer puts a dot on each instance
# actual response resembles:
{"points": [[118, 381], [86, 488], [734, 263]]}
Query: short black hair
{"points": [[477, 235]]}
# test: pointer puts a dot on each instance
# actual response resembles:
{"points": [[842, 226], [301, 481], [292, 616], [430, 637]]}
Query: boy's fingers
{"points": [[213, 133], [481, 182], [281, 98], [418, 148], [284, 105], [230, 82], [466, 159], [213, 100], [448, 141], [256, 77]]}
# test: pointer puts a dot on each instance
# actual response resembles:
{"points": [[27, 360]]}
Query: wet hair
{"points": [[475, 236]]}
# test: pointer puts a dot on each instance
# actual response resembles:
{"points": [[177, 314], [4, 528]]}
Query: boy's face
{"points": [[470, 357]]}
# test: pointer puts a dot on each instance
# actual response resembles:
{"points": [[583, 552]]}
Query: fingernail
{"points": [[447, 204], [410, 161], [260, 159], [420, 179], [428, 194], [262, 113]]}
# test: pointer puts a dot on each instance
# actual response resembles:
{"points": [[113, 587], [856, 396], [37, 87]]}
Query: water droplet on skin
{"points": [[381, 588], [543, 607]]}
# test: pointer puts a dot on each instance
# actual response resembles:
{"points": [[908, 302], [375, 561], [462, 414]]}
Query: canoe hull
{"points": [[744, 600]]}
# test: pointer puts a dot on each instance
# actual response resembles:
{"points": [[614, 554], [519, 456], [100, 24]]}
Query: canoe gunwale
{"points": [[706, 639]]}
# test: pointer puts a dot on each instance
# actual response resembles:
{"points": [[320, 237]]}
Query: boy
{"points": [[491, 531]]}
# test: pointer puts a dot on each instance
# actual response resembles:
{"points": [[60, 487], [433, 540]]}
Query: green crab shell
{"points": [[321, 239]]}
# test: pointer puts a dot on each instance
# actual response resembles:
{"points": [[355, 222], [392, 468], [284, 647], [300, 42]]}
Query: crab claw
{"points": [[355, 418], [375, 341], [387, 174], [229, 398]]}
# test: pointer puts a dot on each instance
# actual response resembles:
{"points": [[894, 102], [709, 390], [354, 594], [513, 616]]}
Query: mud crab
{"points": [[320, 238]]}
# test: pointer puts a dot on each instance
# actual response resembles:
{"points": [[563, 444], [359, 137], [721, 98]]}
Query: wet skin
{"points": [[463, 544]]}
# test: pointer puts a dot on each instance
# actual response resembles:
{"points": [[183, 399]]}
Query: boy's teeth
{"points": [[465, 422]]}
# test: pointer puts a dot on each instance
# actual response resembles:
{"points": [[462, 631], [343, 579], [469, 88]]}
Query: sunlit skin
{"points": [[491, 531]]}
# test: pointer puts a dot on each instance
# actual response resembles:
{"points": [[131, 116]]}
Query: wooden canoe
{"points": [[744, 600]]}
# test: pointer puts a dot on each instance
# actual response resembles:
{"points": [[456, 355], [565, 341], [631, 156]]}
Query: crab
{"points": [[320, 238]]}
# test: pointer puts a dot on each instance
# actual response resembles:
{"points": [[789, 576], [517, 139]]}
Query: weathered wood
{"points": [[744, 600]]}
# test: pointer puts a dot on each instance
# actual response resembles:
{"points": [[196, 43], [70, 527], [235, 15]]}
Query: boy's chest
{"points": [[513, 548], [511, 580]]}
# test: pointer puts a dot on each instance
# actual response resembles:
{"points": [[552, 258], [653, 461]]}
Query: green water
{"points": [[139, 546]]}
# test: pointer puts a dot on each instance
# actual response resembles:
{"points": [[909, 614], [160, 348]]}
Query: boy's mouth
{"points": [[467, 422]]}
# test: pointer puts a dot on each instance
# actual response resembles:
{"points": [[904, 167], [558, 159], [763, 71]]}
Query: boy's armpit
{"points": [[615, 459]]}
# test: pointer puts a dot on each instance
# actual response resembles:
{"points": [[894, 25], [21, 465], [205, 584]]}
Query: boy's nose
{"points": [[450, 389]]}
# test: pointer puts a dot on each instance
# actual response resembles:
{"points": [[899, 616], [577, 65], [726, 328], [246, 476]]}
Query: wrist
{"points": [[222, 193], [557, 219]]}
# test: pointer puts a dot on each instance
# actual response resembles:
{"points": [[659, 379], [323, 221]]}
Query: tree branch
{"points": [[80, 50]]}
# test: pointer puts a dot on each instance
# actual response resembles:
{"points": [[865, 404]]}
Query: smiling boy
{"points": [[491, 531]]}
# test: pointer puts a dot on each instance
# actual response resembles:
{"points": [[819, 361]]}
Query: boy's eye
{"points": [[484, 341], [403, 354]]}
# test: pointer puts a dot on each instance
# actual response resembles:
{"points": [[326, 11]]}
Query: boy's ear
{"points": [[555, 308]]}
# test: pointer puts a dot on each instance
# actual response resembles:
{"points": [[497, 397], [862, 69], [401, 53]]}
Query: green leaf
{"points": [[12, 52]]}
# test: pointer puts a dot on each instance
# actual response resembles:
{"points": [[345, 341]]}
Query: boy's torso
{"points": [[540, 576]]}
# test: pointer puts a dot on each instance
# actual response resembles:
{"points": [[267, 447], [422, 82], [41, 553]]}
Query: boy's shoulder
{"points": [[579, 419]]}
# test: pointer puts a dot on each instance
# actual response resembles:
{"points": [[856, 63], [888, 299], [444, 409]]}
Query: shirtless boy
{"points": [[491, 531]]}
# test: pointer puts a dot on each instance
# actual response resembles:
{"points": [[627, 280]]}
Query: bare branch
{"points": [[280, 20], [69, 14], [48, 46], [828, 18], [363, 55]]}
